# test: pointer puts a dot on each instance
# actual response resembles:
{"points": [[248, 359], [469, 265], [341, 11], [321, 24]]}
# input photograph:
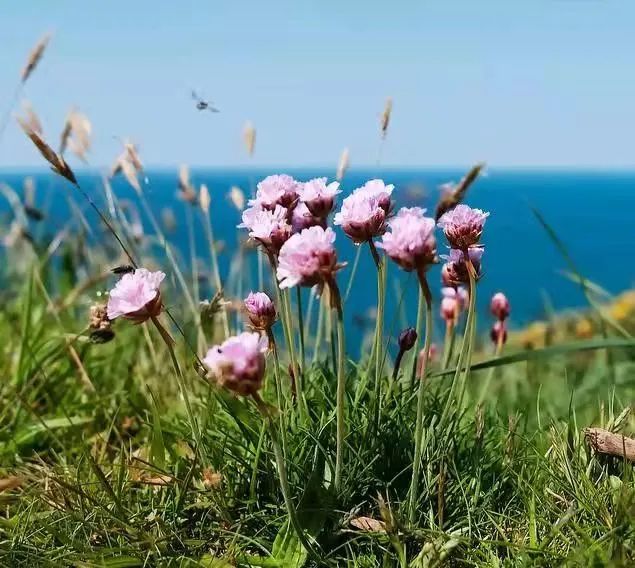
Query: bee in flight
{"points": [[123, 269], [202, 104]]}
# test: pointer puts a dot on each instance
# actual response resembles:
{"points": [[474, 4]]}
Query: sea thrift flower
{"points": [[499, 306], [318, 196], [270, 228], [463, 226], [454, 271], [136, 296], [411, 242], [276, 190], [239, 362], [260, 310], [302, 218], [499, 332], [421, 358], [308, 258], [364, 212]]}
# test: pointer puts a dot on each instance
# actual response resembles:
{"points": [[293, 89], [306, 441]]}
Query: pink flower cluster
{"points": [[136, 296], [463, 226], [364, 212], [411, 242], [283, 206], [308, 258], [239, 362]]}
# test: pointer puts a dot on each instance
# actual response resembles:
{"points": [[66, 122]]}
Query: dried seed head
{"points": [[385, 117], [452, 195], [249, 137], [343, 164], [34, 57], [100, 325], [186, 189], [237, 197], [168, 219], [31, 118], [204, 199], [58, 164]]}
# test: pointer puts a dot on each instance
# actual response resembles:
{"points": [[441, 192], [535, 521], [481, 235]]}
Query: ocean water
{"points": [[592, 213]]}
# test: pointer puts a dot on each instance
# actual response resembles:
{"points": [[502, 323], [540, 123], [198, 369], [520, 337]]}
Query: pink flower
{"points": [[276, 190], [453, 302], [270, 228], [318, 196], [499, 306], [454, 271], [136, 296], [308, 258], [239, 362], [411, 242], [364, 212], [260, 310], [463, 226], [378, 191], [302, 218]]}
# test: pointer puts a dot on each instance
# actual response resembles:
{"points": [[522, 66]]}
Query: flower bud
{"points": [[260, 310], [407, 339], [499, 306]]}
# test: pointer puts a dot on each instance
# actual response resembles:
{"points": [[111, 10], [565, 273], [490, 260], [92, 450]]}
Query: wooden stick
{"points": [[605, 442]]}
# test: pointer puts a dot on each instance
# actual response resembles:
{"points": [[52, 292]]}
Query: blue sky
{"points": [[534, 82]]}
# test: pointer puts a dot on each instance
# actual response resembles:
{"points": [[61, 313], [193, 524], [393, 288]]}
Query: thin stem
{"points": [[448, 344], [298, 291], [319, 332], [336, 302], [276, 368], [379, 329], [209, 232], [492, 371], [351, 278], [169, 342], [416, 463], [418, 326], [189, 221], [282, 474], [471, 331], [464, 347]]}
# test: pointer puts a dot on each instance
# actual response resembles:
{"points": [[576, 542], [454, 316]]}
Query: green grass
{"points": [[111, 476]]}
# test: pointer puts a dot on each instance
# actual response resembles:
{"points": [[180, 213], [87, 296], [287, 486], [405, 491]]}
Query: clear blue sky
{"points": [[513, 82]]}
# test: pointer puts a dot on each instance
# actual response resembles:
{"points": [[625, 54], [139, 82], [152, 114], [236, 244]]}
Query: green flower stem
{"points": [[464, 347], [282, 473], [180, 379], [298, 291], [448, 344], [490, 375], [376, 356], [209, 232], [471, 331], [416, 463], [336, 302]]}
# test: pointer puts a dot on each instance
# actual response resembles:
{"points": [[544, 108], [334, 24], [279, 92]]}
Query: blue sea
{"points": [[592, 212]]}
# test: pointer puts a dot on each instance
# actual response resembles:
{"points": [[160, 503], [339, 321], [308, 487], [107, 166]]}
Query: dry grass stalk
{"points": [[608, 443], [385, 117], [34, 57], [129, 165], [204, 199], [454, 194], [57, 162], [186, 189], [31, 118], [237, 197], [343, 164], [249, 137]]}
